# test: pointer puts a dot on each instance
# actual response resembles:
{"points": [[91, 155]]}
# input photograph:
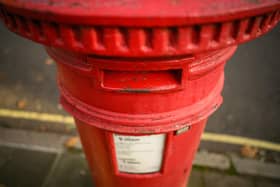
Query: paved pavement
{"points": [[26, 168], [29, 158]]}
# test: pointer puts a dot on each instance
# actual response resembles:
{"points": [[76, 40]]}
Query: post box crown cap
{"points": [[134, 28], [142, 12]]}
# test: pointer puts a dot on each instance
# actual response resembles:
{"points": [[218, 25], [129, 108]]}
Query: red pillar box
{"points": [[140, 77]]}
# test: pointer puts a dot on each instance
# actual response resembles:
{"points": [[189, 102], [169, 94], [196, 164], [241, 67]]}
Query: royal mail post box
{"points": [[140, 77]]}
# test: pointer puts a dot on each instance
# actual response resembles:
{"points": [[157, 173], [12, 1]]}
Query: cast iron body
{"points": [[140, 68]]}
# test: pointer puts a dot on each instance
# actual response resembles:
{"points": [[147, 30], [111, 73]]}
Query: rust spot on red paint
{"points": [[75, 4], [175, 2], [114, 3], [131, 90], [254, 1], [51, 3], [185, 170], [158, 118], [146, 131]]}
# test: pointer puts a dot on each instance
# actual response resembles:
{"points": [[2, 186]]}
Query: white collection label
{"points": [[139, 154]]}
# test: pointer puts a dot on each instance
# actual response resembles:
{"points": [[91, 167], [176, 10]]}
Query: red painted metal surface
{"points": [[138, 68], [176, 167], [140, 13], [160, 96], [135, 98], [131, 28]]}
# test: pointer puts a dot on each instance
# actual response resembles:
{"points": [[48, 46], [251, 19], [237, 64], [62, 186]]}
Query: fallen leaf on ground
{"points": [[59, 106], [2, 77], [38, 106], [39, 78], [249, 151], [83, 172], [21, 103], [43, 128], [71, 142], [49, 61]]}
